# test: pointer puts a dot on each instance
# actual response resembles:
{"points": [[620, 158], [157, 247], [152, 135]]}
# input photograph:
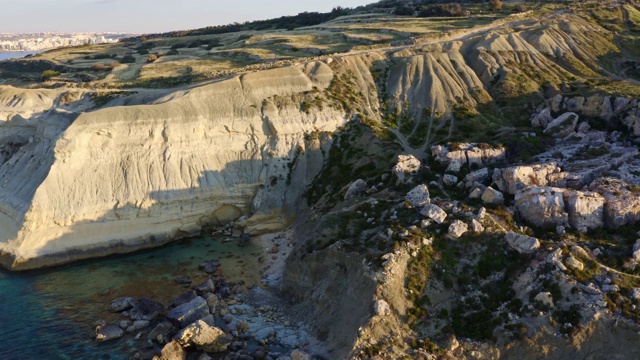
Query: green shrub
{"points": [[128, 59], [48, 74]]}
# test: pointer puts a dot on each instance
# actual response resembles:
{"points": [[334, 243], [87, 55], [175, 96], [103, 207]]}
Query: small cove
{"points": [[51, 313]]}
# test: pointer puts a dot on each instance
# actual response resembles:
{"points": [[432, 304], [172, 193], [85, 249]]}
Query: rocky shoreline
{"points": [[216, 316]]}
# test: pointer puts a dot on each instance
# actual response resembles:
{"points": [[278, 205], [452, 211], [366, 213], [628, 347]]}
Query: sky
{"points": [[147, 16]]}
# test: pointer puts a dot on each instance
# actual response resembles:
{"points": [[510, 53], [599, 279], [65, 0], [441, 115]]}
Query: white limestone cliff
{"points": [[127, 177]]}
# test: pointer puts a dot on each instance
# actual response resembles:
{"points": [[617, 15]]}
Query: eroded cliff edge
{"points": [[126, 177]]}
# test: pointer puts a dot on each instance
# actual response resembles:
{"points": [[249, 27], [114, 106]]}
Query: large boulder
{"points": [[622, 205], [407, 165], [542, 207], [108, 332], [562, 126], [419, 196], [523, 244], [542, 118], [122, 304], [513, 179], [381, 308], [204, 337], [357, 188], [458, 155], [434, 212], [145, 309], [586, 210], [457, 229], [492, 196], [172, 351], [187, 313], [478, 176]]}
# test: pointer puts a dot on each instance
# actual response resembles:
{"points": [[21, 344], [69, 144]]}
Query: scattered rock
{"points": [[122, 304], [406, 165], [622, 205], [206, 287], [434, 212], [482, 213], [457, 229], [300, 355], [564, 125], [542, 207], [356, 189], [381, 308], [137, 325], [513, 179], [523, 244], [636, 251], [476, 193], [476, 177], [145, 309], [108, 332], [209, 266], [244, 240], [449, 180], [184, 298], [585, 209], [574, 263], [204, 337], [635, 294], [542, 118], [162, 329], [172, 351], [185, 314], [492, 196], [610, 288], [476, 227], [419, 196], [555, 258], [545, 298]]}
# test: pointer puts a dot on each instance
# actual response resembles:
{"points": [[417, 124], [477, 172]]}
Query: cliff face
{"points": [[46, 41], [134, 176]]}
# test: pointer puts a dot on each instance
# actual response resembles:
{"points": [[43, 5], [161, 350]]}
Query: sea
{"points": [[51, 314], [15, 55]]}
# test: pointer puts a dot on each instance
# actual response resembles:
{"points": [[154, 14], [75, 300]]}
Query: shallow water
{"points": [[50, 314], [15, 55]]}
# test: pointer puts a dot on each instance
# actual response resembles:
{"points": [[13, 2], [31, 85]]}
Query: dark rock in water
{"points": [[245, 357], [210, 266], [185, 314], [260, 354], [145, 309], [206, 287], [108, 332], [137, 325], [164, 328], [122, 304], [184, 298], [244, 240], [225, 292], [183, 279]]}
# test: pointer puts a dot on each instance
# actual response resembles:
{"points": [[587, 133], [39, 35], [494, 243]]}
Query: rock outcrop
{"points": [[542, 206]]}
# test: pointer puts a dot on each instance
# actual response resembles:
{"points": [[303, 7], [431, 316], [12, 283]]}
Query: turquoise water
{"points": [[50, 314], [13, 55]]}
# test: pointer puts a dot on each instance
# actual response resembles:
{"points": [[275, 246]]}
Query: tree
{"points": [[495, 5]]}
